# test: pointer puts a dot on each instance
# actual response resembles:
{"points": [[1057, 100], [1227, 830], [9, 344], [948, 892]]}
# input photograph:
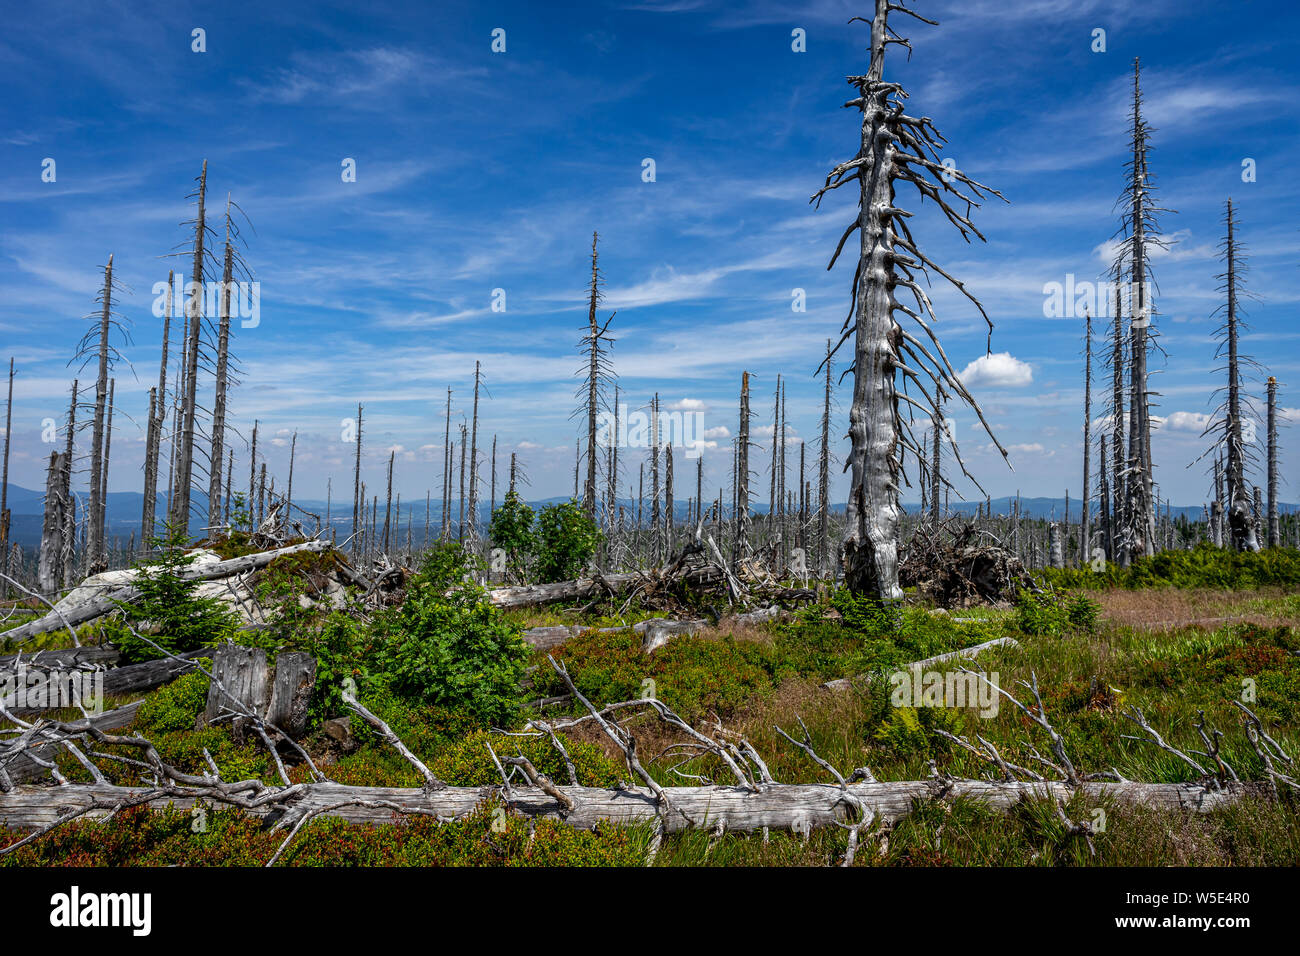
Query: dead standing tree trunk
{"points": [[180, 507], [895, 147], [1085, 534], [1143, 230], [99, 338], [1228, 419], [597, 370], [4, 484], [222, 374], [824, 476], [1117, 546], [1274, 529], [157, 421], [49, 561]]}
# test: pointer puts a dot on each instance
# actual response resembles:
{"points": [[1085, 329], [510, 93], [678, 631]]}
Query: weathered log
{"points": [[844, 683], [797, 807], [119, 681], [530, 595], [242, 672], [108, 601], [295, 676], [63, 657], [23, 769]]}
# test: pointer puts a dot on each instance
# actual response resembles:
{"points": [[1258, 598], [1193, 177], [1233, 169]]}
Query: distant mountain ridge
{"points": [[123, 511]]}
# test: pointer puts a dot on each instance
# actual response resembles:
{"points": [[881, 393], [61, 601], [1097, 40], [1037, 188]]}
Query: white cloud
{"points": [[998, 369], [721, 431], [687, 405], [1194, 422]]}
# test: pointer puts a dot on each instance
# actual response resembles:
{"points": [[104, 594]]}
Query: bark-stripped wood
{"points": [[895, 147], [108, 601]]}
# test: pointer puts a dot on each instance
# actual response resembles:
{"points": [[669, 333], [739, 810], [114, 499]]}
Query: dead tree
{"points": [[4, 483], [96, 345], [1103, 493], [157, 422], [1117, 549], [1139, 230], [101, 518], [231, 261], [824, 475], [1274, 529], [896, 147], [1085, 535], [49, 560], [69, 544], [598, 369], [358, 499], [741, 481], [180, 505], [472, 532], [388, 501], [446, 471], [1227, 423]]}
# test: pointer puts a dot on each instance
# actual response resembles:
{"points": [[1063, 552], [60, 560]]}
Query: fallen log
{"points": [[530, 595], [101, 604], [655, 631], [119, 681], [63, 657], [844, 683], [797, 807], [23, 769]]}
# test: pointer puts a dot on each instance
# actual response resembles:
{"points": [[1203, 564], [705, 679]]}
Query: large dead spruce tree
{"points": [[896, 147], [1227, 425], [1139, 234]]}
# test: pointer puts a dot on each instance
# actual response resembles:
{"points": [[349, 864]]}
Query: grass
{"points": [[754, 680]]}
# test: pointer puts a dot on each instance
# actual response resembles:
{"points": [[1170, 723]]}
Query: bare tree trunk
{"points": [[157, 423], [252, 475], [388, 501], [446, 471], [52, 526], [473, 467], [69, 552], [1141, 511], [222, 376], [94, 529], [894, 147], [1274, 528], [1085, 533], [180, 510], [1103, 491], [4, 483], [460, 525], [1119, 550], [102, 517], [358, 499], [824, 476], [492, 502], [1243, 531]]}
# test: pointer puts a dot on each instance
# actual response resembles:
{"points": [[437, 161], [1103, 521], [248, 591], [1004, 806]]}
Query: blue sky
{"points": [[479, 171]]}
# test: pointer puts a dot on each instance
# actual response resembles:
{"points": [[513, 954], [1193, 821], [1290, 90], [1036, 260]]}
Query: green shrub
{"points": [[1040, 615], [511, 530], [1204, 566], [447, 645], [565, 541], [170, 607], [175, 706]]}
